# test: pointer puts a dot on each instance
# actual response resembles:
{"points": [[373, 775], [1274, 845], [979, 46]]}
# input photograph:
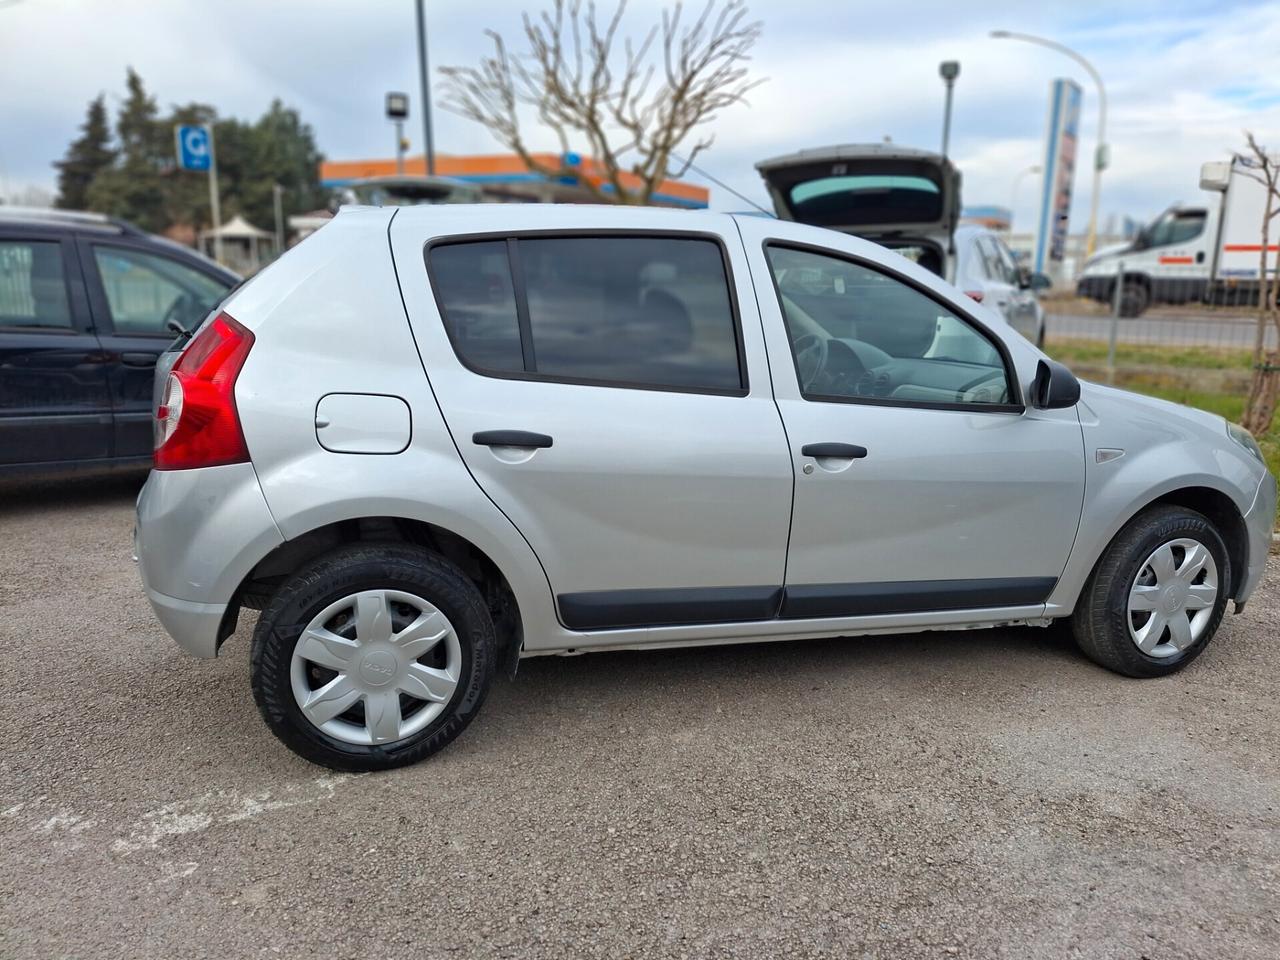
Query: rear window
{"points": [[868, 199], [641, 311]]}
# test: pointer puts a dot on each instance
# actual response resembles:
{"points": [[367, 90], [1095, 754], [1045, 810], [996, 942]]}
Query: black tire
{"points": [[1134, 298], [1100, 621], [330, 578]]}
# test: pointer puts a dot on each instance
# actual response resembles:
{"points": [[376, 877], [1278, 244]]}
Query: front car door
{"points": [[923, 485], [136, 291], [54, 407], [609, 391]]}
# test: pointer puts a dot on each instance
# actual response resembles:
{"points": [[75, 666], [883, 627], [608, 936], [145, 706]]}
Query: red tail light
{"points": [[197, 424], [974, 295]]}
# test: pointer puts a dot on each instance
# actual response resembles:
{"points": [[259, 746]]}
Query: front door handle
{"points": [[510, 438], [138, 359], [836, 451]]}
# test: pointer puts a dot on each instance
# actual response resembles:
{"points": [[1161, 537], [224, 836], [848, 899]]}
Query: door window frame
{"points": [[1017, 406], [103, 321], [518, 286]]}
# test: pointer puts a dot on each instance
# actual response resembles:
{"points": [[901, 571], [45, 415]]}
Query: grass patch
{"points": [[1093, 353]]}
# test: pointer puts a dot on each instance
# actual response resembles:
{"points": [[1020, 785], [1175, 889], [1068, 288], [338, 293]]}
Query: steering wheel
{"points": [[811, 352]]}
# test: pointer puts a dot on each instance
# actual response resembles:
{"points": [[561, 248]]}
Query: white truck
{"points": [[1206, 252]]}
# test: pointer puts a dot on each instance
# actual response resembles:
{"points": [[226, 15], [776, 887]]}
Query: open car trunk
{"points": [[905, 199]]}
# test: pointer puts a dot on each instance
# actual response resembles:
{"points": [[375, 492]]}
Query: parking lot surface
{"points": [[977, 794]]}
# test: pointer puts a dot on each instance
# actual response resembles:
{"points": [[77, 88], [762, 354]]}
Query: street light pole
{"points": [[1100, 157], [1013, 194], [948, 70], [424, 76]]}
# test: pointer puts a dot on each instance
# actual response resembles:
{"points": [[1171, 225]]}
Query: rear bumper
{"points": [[1260, 520], [199, 534], [195, 627]]}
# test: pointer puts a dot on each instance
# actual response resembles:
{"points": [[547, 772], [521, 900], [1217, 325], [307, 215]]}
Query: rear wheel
{"points": [[1157, 596], [373, 657]]}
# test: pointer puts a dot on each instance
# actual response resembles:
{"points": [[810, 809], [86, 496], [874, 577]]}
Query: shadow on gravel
{"points": [[40, 494]]}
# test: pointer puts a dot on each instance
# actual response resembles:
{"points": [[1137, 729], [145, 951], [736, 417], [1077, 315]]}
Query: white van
{"points": [[1203, 252]]}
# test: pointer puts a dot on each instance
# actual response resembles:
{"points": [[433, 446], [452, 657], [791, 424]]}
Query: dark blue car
{"points": [[87, 306]]}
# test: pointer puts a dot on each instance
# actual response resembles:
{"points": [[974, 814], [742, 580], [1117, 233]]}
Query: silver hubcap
{"points": [[1172, 599], [375, 667]]}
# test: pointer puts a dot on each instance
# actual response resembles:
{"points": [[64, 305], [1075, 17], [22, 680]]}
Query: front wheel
{"points": [[1157, 596], [375, 656]]}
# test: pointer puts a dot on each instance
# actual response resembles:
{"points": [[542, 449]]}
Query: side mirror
{"points": [[1041, 281], [1054, 387]]}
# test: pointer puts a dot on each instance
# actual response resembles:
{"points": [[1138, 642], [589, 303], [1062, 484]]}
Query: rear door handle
{"points": [[837, 451], [510, 438], [138, 359]]}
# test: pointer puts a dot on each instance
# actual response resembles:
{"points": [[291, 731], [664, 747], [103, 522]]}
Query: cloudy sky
{"points": [[1184, 79]]}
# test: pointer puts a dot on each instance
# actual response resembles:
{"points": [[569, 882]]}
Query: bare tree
{"points": [[629, 108], [1264, 390]]}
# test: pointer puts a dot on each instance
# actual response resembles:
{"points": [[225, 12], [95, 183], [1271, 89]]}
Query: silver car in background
{"points": [[427, 442]]}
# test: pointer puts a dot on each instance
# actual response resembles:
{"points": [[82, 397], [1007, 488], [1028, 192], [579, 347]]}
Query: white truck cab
{"points": [[1199, 252]]}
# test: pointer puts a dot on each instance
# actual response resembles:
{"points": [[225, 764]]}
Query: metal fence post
{"points": [[1115, 323]]}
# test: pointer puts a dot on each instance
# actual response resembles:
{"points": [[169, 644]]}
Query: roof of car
{"points": [[67, 219]]}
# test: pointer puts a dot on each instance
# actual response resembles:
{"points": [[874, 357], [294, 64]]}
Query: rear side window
{"points": [[641, 311], [33, 286]]}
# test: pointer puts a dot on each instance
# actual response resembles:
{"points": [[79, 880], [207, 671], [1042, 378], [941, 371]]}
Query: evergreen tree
{"points": [[87, 156], [134, 188]]}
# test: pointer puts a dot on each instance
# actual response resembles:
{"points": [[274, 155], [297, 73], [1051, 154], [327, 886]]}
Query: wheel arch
{"points": [[261, 582]]}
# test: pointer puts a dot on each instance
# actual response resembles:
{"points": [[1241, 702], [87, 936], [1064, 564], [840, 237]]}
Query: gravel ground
{"points": [[983, 794]]}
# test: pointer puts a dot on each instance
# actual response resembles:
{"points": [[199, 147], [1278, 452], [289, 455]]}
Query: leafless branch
{"points": [[611, 100]]}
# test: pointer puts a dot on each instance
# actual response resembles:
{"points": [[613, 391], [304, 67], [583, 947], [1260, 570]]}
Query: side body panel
{"points": [[328, 318], [1166, 448], [681, 493], [943, 497]]}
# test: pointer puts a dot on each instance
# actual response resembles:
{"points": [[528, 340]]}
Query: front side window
{"points": [[630, 311], [33, 287], [146, 291], [858, 334]]}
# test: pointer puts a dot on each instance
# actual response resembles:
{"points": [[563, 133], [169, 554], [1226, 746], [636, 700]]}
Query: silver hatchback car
{"points": [[430, 441]]}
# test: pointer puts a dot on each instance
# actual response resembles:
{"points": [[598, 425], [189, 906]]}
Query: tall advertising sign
{"points": [[1059, 172]]}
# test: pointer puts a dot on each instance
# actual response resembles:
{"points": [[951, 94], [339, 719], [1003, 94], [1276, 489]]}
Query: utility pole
{"points": [[948, 70], [424, 75]]}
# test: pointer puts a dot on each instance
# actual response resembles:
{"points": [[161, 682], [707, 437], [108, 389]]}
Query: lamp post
{"points": [[948, 70], [1100, 157], [1013, 194]]}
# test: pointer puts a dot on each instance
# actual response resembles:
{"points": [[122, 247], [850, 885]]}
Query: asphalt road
{"points": [[1190, 329], [981, 794]]}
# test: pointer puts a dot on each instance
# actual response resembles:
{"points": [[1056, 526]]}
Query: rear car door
{"points": [[609, 392], [135, 291], [922, 483], [54, 406]]}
